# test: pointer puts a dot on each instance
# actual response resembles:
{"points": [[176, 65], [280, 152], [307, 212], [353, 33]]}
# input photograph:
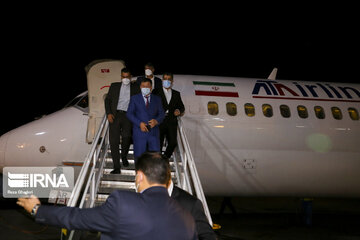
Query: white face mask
{"points": [[166, 83], [137, 187], [125, 81], [145, 91], [148, 72]]}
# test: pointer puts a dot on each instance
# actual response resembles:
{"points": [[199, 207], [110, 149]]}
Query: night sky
{"points": [[45, 52]]}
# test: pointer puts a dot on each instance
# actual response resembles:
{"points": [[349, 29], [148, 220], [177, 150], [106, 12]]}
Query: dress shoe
{"points": [[125, 162], [116, 171]]}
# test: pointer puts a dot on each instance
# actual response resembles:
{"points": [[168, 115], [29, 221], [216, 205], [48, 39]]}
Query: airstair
{"points": [[95, 183]]}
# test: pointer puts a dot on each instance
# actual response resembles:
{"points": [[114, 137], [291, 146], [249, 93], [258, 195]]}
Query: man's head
{"points": [[146, 86], [167, 80], [151, 170], [149, 70], [125, 76]]}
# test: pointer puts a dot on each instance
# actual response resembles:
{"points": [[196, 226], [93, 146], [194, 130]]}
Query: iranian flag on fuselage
{"points": [[217, 89]]}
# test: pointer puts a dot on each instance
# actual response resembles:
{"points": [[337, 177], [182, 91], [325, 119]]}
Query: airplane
{"points": [[249, 136]]}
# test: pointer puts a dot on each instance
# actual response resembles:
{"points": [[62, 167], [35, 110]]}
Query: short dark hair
{"points": [[125, 70], [149, 64], [168, 74], [146, 80], [155, 167]]}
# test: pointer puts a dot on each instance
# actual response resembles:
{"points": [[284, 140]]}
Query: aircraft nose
{"points": [[3, 142]]}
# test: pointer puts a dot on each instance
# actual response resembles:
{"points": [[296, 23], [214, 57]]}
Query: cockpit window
{"points": [[84, 102], [80, 101]]}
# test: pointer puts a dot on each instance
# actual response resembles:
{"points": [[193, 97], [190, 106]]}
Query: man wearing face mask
{"points": [[149, 214], [173, 107], [149, 73], [116, 105], [146, 113]]}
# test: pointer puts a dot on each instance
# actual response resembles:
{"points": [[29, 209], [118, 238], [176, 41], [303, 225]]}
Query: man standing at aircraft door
{"points": [[146, 113], [173, 107], [149, 73], [116, 105]]}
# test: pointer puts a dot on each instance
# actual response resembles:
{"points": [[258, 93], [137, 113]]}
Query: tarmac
{"points": [[239, 218]]}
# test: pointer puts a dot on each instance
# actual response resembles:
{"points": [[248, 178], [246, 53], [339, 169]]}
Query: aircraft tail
{"points": [[272, 75]]}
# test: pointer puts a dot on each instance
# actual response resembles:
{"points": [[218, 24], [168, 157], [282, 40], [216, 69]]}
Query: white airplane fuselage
{"points": [[237, 153]]}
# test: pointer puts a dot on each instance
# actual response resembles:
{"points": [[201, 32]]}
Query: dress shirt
{"points": [[124, 97]]}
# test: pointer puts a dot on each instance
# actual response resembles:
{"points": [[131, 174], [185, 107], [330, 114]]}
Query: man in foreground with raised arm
{"points": [[148, 214]]}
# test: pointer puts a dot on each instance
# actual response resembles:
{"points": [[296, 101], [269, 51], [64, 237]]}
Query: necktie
{"points": [[147, 101]]}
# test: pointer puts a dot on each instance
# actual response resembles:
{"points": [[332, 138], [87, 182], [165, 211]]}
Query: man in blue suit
{"points": [[151, 214], [146, 112]]}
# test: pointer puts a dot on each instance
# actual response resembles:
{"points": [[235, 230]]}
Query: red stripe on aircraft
{"points": [[308, 99], [216, 94], [103, 87]]}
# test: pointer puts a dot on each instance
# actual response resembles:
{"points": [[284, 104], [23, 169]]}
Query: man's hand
{"points": [[28, 203], [177, 112], [143, 127], [153, 123], [110, 118]]}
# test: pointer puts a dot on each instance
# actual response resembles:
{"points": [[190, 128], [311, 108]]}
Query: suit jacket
{"points": [[157, 82], [112, 98], [137, 113], [126, 215], [175, 103], [195, 207]]}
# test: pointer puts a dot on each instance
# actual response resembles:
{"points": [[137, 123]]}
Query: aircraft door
{"points": [[100, 74]]}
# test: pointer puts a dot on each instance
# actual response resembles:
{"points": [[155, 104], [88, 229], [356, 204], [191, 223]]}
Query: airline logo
{"points": [[216, 89], [105, 70], [312, 91]]}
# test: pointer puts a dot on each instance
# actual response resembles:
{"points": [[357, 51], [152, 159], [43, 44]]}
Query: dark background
{"points": [[46, 48]]}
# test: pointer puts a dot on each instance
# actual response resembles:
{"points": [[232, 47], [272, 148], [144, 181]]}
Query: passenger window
{"points": [[354, 115], [285, 111], [267, 110], [249, 109], [319, 112], [213, 108], [302, 111], [231, 108], [336, 112]]}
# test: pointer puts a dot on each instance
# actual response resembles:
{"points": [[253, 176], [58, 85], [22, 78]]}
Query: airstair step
{"points": [[118, 177], [125, 176], [109, 165]]}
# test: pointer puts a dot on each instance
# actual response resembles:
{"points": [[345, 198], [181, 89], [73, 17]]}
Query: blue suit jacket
{"points": [[137, 113], [127, 215]]}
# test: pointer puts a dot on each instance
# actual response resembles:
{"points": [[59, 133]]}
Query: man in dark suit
{"points": [[151, 214], [146, 113], [195, 207], [116, 105], [173, 107], [149, 73]]}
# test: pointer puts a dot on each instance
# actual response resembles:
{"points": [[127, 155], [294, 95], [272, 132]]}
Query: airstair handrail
{"points": [[88, 160], [88, 181], [189, 173]]}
